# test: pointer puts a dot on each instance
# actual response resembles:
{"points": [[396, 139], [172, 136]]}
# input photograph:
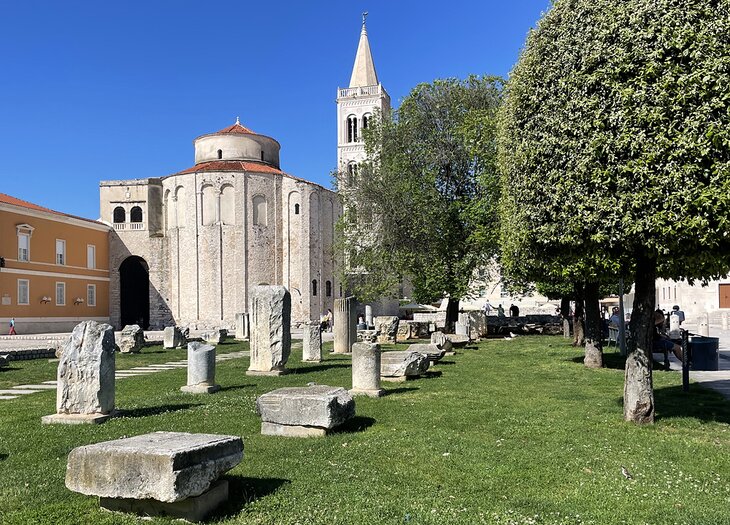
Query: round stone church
{"points": [[187, 248]]}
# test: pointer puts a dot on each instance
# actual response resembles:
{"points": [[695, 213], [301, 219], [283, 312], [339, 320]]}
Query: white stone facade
{"points": [[211, 232]]}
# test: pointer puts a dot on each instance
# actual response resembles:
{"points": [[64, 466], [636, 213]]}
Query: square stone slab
{"points": [[319, 406], [163, 466], [78, 419]]}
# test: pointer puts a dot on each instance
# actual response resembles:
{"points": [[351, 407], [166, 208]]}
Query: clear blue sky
{"points": [[101, 90]]}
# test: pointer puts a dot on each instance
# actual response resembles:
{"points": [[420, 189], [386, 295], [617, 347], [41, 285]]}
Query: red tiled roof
{"points": [[231, 165], [7, 199], [236, 129]]}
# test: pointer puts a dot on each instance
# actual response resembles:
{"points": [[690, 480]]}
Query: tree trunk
{"points": [[594, 332], [638, 388], [579, 338], [565, 314]]}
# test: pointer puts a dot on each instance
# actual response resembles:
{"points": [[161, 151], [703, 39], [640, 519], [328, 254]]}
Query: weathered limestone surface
{"points": [[443, 342], [458, 340], [201, 369], [173, 337], [431, 351], [215, 337], [132, 339], [270, 329], [366, 370], [163, 466], [314, 406], [86, 374], [367, 336], [312, 342], [402, 364], [345, 325], [368, 315], [242, 326], [387, 328]]}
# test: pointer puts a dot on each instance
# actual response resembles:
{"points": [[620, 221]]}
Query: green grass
{"points": [[511, 432]]}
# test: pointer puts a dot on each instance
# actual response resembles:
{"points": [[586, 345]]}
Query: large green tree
{"points": [[615, 140], [424, 206]]}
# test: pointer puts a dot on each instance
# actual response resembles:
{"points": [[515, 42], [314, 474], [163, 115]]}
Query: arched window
{"points": [[259, 210], [351, 173], [135, 214], [179, 200], [262, 155], [296, 209], [366, 120], [119, 214], [352, 128], [314, 287], [220, 153], [167, 210], [328, 288], [228, 208]]}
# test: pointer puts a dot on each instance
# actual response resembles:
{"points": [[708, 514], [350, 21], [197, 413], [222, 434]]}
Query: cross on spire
{"points": [[364, 16]]}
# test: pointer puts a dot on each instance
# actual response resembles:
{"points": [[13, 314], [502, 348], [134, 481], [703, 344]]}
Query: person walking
{"points": [[12, 327]]}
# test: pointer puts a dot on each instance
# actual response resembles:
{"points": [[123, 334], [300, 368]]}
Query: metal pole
{"points": [[685, 361], [622, 321]]}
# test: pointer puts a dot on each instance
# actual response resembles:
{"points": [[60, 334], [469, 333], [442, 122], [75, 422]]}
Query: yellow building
{"points": [[54, 268]]}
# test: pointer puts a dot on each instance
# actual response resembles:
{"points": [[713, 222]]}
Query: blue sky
{"points": [[98, 90]]}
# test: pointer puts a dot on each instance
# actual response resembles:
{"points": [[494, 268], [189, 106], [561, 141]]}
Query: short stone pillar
{"points": [[171, 474], [387, 328], [270, 313], [703, 327], [242, 326], [201, 369], [173, 337], [345, 325], [366, 370], [674, 332], [312, 342], [131, 340], [85, 391], [368, 315]]}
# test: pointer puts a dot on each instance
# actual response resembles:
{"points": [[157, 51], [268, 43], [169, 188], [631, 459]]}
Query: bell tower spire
{"points": [[363, 72]]}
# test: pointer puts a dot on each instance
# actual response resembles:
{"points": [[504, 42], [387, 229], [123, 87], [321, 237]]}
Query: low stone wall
{"points": [[30, 353]]}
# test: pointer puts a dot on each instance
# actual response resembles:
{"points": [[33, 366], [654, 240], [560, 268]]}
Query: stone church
{"points": [[187, 247]]}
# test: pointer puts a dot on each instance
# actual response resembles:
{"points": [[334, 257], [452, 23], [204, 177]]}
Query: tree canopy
{"points": [[615, 150], [424, 206]]}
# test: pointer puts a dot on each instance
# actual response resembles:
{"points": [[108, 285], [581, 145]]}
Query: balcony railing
{"points": [[129, 226], [360, 91]]}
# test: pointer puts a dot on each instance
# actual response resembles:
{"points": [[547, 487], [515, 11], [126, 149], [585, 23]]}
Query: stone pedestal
{"points": [[270, 312], [201, 369], [162, 473], [312, 342], [402, 365], [85, 391], [368, 315], [345, 325], [173, 337], [131, 339], [674, 332], [703, 327], [366, 370], [304, 412], [441, 341], [242, 326], [387, 328]]}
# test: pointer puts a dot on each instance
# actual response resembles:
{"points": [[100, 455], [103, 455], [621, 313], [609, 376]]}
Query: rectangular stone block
{"points": [[163, 466], [314, 406], [401, 364], [270, 312]]}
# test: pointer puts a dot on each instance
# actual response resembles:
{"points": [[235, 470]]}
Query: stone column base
{"points": [[398, 379], [266, 373], [78, 419], [370, 393], [311, 360], [275, 429], [200, 389], [193, 509]]}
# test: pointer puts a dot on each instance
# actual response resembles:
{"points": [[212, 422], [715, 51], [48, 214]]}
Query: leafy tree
{"points": [[615, 143], [424, 205]]}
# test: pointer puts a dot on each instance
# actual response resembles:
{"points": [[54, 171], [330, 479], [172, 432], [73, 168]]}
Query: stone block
{"points": [[387, 328], [458, 340], [85, 388], [312, 342], [215, 337], [201, 369], [162, 466], [366, 370], [402, 364], [270, 314], [173, 337], [443, 342], [319, 406], [431, 351], [131, 340]]}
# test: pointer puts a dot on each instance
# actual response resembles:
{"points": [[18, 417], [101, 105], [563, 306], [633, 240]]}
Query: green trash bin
{"points": [[704, 352]]}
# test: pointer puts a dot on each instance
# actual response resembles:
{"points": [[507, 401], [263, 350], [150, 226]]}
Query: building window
{"points": [[220, 153], [60, 251], [314, 287], [91, 256], [23, 291], [60, 294], [91, 294], [328, 288], [352, 128], [135, 214], [296, 209], [262, 155], [259, 210], [228, 205], [366, 120], [340, 290], [351, 173], [119, 214], [23, 247]]}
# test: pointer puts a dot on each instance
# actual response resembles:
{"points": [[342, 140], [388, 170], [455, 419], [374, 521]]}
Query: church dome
{"points": [[236, 142]]}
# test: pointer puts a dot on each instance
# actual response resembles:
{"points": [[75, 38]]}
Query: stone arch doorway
{"points": [[134, 285]]}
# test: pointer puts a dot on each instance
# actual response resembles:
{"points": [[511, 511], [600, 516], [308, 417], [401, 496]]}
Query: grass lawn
{"points": [[511, 432]]}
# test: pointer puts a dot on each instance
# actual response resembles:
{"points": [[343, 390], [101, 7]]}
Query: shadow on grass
{"points": [[318, 368], [9, 368], [445, 362], [156, 411], [235, 387], [3, 457], [242, 491], [431, 374], [356, 424], [610, 360], [398, 391], [699, 403]]}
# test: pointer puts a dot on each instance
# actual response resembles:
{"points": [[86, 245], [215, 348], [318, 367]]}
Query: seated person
{"points": [[662, 343]]}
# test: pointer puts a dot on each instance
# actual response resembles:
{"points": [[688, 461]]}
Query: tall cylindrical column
{"points": [[201, 369], [366, 370], [345, 325], [368, 315]]}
